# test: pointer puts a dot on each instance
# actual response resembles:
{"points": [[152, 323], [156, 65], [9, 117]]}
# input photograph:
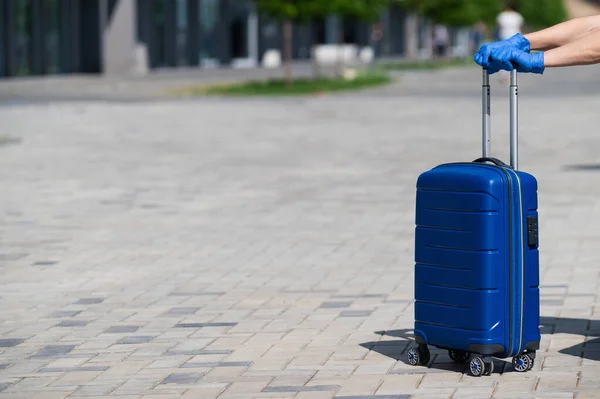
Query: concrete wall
{"points": [[411, 36], [119, 40]]}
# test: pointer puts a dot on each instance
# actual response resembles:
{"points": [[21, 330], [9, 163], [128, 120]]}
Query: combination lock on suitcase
{"points": [[477, 259]]}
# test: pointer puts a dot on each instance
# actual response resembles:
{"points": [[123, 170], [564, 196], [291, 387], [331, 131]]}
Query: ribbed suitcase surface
{"points": [[476, 266]]}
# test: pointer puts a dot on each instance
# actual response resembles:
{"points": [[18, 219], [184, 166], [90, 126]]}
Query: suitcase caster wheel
{"points": [[522, 363], [489, 366], [458, 355], [531, 356], [477, 366], [418, 356]]}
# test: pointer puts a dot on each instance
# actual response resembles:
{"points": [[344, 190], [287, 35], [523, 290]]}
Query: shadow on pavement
{"points": [[590, 349], [583, 167]]}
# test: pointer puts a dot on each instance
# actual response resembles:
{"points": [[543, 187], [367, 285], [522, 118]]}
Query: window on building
{"points": [[22, 20], [52, 36], [2, 46], [160, 19], [208, 18], [181, 31]]}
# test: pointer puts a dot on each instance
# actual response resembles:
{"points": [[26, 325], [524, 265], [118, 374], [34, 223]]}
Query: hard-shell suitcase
{"points": [[477, 259]]}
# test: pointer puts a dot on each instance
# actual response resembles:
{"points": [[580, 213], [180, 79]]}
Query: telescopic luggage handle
{"points": [[514, 121]]}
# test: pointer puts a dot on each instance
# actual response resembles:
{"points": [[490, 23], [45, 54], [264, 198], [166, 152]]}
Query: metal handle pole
{"points": [[514, 120], [486, 117]]}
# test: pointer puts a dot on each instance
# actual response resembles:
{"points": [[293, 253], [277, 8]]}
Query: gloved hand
{"points": [[509, 58], [482, 57]]}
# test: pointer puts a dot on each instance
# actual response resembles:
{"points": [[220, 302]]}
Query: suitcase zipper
{"points": [[510, 249], [521, 232]]}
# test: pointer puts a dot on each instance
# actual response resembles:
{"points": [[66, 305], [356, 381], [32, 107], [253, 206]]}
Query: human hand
{"points": [[509, 58], [483, 56], [529, 63]]}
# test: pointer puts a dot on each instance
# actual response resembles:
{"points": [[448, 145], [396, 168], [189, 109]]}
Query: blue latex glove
{"points": [[509, 58], [482, 57]]}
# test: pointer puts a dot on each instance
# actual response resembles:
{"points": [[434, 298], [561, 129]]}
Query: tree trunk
{"points": [[287, 50], [313, 53], [340, 52]]}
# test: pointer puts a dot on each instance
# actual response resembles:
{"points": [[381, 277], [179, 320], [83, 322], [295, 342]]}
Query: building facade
{"points": [[39, 37]]}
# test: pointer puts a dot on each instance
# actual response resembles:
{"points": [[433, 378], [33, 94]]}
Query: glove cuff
{"points": [[520, 42], [537, 65]]}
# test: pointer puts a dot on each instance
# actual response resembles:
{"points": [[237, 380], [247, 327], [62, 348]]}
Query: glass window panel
{"points": [[2, 47], [22, 37], [52, 36], [209, 17], [159, 31], [182, 31]]}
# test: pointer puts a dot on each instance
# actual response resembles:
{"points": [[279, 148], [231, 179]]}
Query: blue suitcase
{"points": [[477, 259]]}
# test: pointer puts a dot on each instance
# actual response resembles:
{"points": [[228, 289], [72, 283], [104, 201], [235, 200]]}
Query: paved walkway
{"points": [[257, 248]]}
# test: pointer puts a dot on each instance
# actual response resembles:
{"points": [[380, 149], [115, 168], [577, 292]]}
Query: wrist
{"points": [[520, 42]]}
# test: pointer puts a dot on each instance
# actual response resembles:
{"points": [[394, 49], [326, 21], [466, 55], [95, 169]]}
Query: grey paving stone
{"points": [[204, 325], [9, 342], [182, 378], [199, 352], [356, 313], [141, 339], [71, 369], [309, 388], [551, 302], [121, 329], [328, 305], [72, 323], [359, 296], [200, 293], [182, 311], [4, 257], [374, 397], [54, 350], [317, 291], [216, 364], [65, 313], [4, 385], [89, 301], [44, 263]]}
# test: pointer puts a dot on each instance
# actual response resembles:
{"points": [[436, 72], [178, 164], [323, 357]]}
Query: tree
{"points": [[537, 14], [289, 12], [362, 10], [541, 14], [456, 13]]}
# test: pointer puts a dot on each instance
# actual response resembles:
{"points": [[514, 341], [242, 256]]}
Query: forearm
{"points": [[563, 33], [583, 51]]}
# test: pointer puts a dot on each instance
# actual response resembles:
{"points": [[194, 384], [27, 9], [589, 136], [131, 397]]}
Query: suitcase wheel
{"points": [[479, 366], [418, 356], [522, 363], [459, 356]]}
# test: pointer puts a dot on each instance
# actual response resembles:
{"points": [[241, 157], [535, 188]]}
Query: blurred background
{"points": [[121, 37]]}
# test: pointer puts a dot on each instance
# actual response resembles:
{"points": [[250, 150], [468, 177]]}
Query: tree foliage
{"points": [[310, 10], [537, 14], [455, 12], [541, 14], [365, 10], [293, 10]]}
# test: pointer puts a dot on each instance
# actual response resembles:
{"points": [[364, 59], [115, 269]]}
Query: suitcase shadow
{"points": [[587, 349], [590, 349]]}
